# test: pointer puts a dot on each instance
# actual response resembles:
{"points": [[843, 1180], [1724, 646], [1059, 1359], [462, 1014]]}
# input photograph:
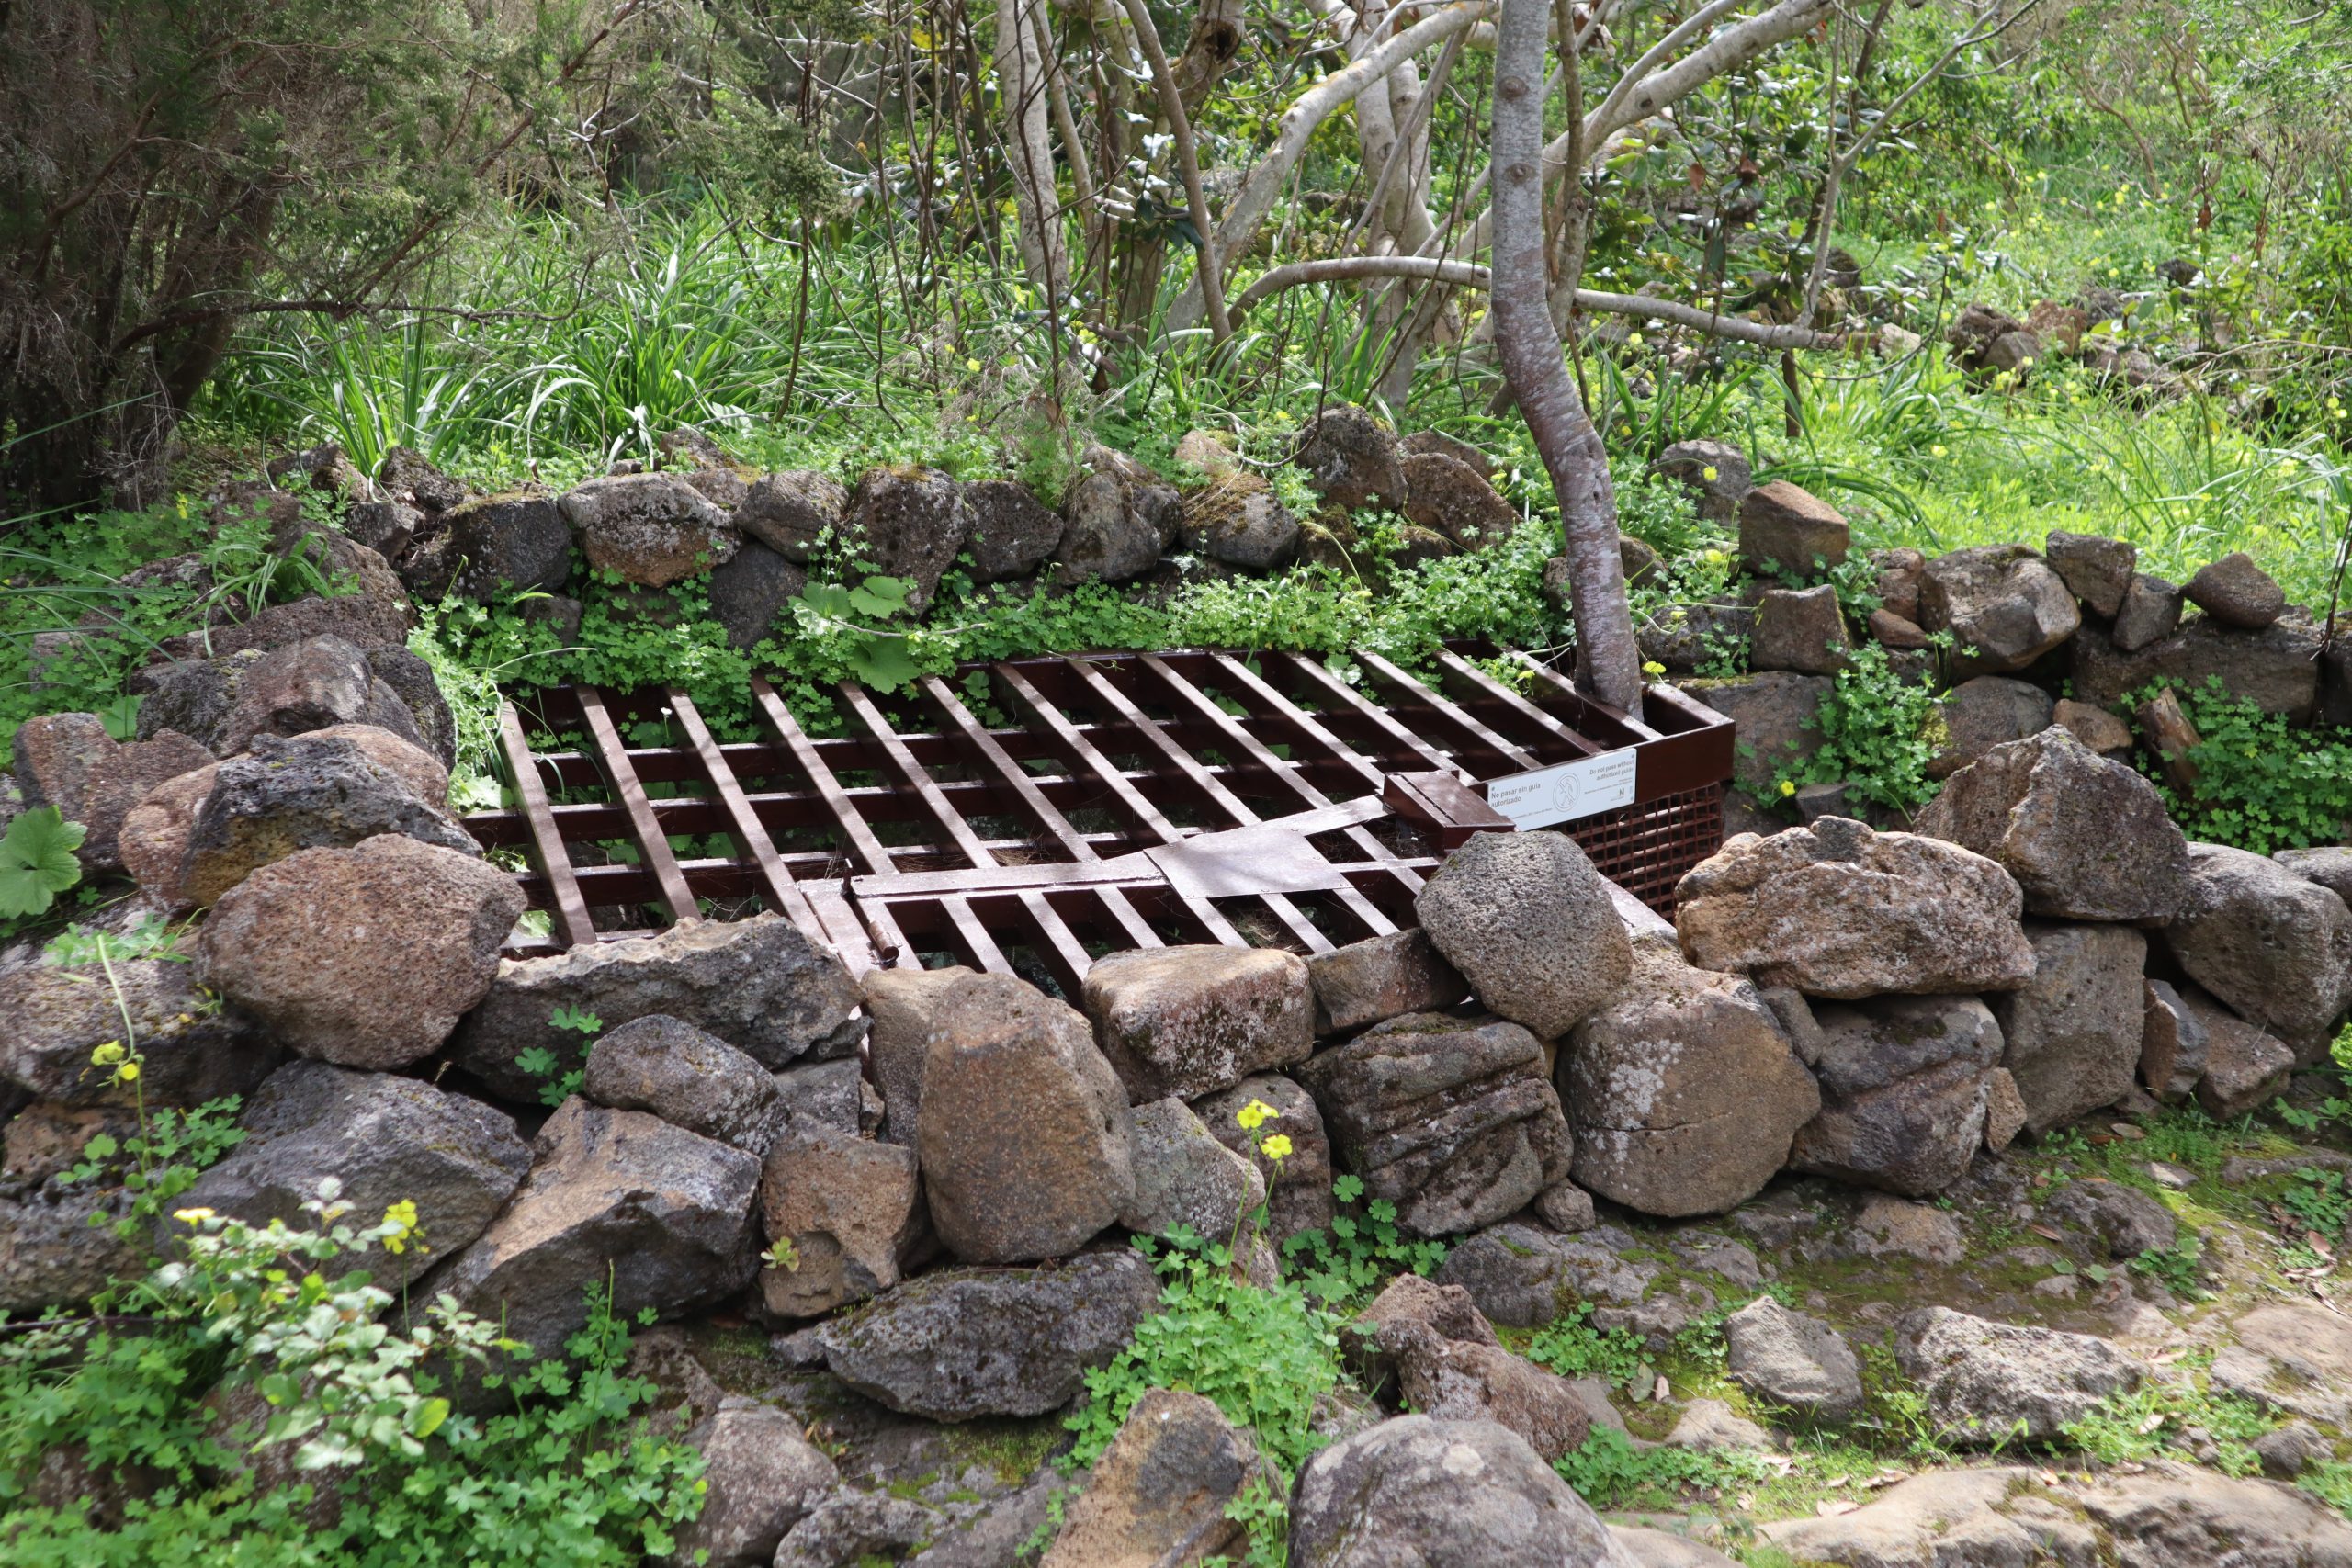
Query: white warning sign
{"points": [[1566, 791]]}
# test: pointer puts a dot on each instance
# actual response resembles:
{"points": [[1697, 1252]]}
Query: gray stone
{"points": [[2236, 593], [2288, 1451], [828, 1095], [2002, 604], [412, 679], [1791, 1359], [957, 1344], [2097, 571], [688, 1078], [2150, 612], [51, 1018], [365, 957], [2173, 1043], [1451, 498], [1530, 923], [1352, 459], [1524, 1275], [1013, 532], [1784, 527], [384, 526], [1383, 977], [1422, 443], [1715, 471], [1800, 629], [1026, 1138], [912, 524], [1897, 1227], [790, 511], [1896, 583], [2087, 839], [2276, 669], [762, 1477], [759, 985], [2124, 1221], [1682, 1092], [306, 685], [1988, 1384], [904, 1005], [2245, 1067], [853, 1529], [752, 595], [2183, 1516], [2073, 1031], [1979, 714], [2330, 865], [2096, 729], [1191, 1021], [501, 546], [649, 529], [2277, 949], [1298, 1187], [58, 1247], [614, 1200], [1949, 1519], [1903, 1087], [1441, 1495], [1694, 635], [386, 1140], [1185, 1177], [1237, 520], [851, 1210], [2291, 1357], [1452, 1121], [1157, 1494], [1837, 911], [1426, 1347], [1117, 519], [1708, 1425], [1779, 717]]}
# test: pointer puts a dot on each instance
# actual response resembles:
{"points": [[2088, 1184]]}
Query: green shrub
{"points": [[2262, 785]]}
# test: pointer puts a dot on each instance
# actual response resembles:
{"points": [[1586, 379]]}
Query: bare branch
{"points": [[1207, 270]]}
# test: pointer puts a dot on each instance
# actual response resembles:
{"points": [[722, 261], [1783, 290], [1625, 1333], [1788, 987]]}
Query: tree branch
{"points": [[1206, 268]]}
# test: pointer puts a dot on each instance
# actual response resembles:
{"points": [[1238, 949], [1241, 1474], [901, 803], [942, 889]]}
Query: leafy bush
{"points": [[2261, 784], [1573, 1348], [1355, 1256], [1878, 732]]}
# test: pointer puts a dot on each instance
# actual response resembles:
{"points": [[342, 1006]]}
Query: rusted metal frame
{"points": [[978, 943], [1214, 790], [1366, 913], [1044, 813], [570, 908], [1080, 752], [856, 833], [652, 842], [783, 894], [1514, 756], [1314, 673], [1588, 714], [1469, 674]]}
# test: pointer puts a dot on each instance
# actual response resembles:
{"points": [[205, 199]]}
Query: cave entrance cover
{"points": [[1029, 815]]}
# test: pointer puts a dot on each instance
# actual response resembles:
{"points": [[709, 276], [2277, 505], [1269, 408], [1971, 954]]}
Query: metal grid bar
{"points": [[1131, 800]]}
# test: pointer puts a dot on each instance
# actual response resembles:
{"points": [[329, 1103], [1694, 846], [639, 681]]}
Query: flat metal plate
{"points": [[1241, 861]]}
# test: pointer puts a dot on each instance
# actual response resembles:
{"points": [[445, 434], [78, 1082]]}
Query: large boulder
{"points": [[68, 760], [1452, 1120], [1837, 910], [2003, 604], [1530, 923], [2244, 1067], [1441, 1495], [791, 512], [497, 546], [1186, 1179], [688, 1078], [2097, 571], [851, 1210], [1117, 518], [1157, 1494], [1790, 1359], [365, 957], [1299, 1185], [618, 1201], [311, 791], [51, 1018], [2276, 669], [388, 1140], [761, 1477], [1778, 715], [1904, 1083], [1785, 528], [1979, 714], [2236, 593], [1428, 1347], [957, 1344], [2087, 839], [1191, 1021], [1683, 1093], [1013, 532], [1026, 1139], [1240, 521], [1351, 460], [649, 529], [2073, 1033], [1383, 977], [759, 985], [912, 524], [1452, 498], [2277, 949], [1988, 1384]]}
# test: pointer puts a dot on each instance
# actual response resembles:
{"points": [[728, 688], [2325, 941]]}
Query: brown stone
{"points": [[1787, 528], [1157, 1499], [1189, 1020], [2096, 727], [69, 761], [851, 1211], [1381, 977]]}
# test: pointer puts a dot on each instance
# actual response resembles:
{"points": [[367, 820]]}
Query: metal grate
{"points": [[1105, 802]]}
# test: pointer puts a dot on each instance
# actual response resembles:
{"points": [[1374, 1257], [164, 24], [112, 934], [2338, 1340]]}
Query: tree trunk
{"points": [[1020, 78], [1608, 663]]}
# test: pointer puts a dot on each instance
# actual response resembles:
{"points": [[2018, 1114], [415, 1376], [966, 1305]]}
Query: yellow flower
{"points": [[973, 366], [404, 1215], [1653, 669], [126, 1072], [108, 1054], [1708, 474], [192, 1216], [1788, 786], [1936, 451], [1254, 1115], [1276, 1147], [1632, 340]]}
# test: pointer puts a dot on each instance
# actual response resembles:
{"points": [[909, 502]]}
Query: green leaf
{"points": [[37, 861], [428, 1417], [882, 663], [121, 717], [880, 597]]}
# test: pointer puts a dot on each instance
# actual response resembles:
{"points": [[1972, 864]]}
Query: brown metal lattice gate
{"points": [[1116, 801]]}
